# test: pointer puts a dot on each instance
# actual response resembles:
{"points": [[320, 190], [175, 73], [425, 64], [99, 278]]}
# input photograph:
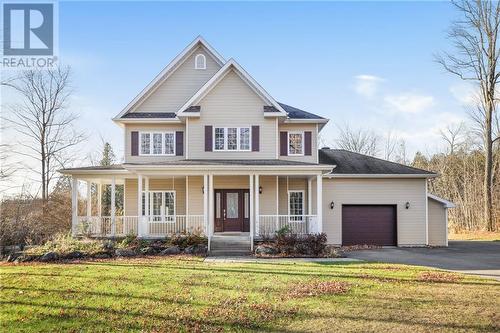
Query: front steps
{"points": [[230, 245]]}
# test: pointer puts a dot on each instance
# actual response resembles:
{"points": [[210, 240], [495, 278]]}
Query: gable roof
{"points": [[350, 163], [169, 69], [207, 87], [444, 202]]}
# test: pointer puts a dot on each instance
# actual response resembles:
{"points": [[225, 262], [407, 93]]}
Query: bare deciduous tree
{"points": [[453, 135], [359, 141], [43, 121], [475, 39]]}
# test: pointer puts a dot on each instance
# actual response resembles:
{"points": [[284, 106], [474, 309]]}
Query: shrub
{"points": [[316, 243], [64, 244], [188, 239], [290, 243]]}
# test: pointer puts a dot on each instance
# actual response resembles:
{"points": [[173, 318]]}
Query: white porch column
{"points": [[99, 199], [205, 203], [89, 199], [252, 195], [113, 206], [140, 218], [257, 205], [319, 202], [148, 198], [309, 196], [210, 208], [74, 207]]}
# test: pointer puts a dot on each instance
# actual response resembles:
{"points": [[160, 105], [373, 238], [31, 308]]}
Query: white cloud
{"points": [[409, 102], [367, 85], [464, 93]]}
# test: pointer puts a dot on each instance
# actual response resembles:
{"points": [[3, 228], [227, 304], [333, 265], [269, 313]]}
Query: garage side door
{"points": [[369, 224]]}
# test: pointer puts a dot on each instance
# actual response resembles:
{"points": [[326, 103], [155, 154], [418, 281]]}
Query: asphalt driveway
{"points": [[471, 257]]}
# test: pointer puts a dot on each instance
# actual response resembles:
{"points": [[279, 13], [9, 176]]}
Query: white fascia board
{"points": [[250, 168], [148, 120], [346, 175], [306, 121], [102, 173], [210, 84], [169, 69], [446, 203]]}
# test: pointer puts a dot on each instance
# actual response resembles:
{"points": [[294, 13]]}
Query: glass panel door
{"points": [[232, 205]]}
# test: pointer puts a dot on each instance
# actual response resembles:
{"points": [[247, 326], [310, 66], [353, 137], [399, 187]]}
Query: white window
{"points": [[200, 62], [157, 143], [295, 143], [232, 139], [296, 206], [145, 143], [169, 143], [161, 205], [219, 138], [244, 138]]}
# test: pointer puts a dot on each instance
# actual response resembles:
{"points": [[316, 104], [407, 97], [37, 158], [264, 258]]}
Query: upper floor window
{"points": [[295, 143], [232, 139], [157, 143], [200, 62]]}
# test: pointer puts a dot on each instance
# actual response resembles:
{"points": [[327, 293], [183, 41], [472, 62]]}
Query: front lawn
{"points": [[186, 294]]}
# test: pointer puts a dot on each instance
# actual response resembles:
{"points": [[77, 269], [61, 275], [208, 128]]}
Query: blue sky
{"points": [[367, 64]]}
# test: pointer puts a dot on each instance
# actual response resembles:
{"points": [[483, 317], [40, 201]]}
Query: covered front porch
{"points": [[158, 204]]}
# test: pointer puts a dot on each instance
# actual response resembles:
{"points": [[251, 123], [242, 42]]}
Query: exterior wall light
{"points": [[332, 204], [407, 205], [260, 189]]}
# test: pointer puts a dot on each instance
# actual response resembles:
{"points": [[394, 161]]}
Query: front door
{"points": [[231, 210]]}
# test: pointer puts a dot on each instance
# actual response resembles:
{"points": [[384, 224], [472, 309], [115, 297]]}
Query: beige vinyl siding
{"points": [[411, 223], [438, 225], [195, 195], [231, 182], [178, 184], [267, 200], [314, 141], [183, 83], [232, 103], [151, 128]]}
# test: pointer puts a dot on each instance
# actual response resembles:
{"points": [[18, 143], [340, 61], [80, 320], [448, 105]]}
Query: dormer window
{"points": [[200, 62]]}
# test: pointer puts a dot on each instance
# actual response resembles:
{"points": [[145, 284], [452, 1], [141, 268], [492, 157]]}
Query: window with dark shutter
{"points": [[308, 143], [134, 143], [179, 143], [255, 138], [284, 143], [208, 138]]}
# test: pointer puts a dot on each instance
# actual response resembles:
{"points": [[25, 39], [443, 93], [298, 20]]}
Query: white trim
{"points": [[169, 69], [288, 142], [186, 139], [238, 139], [277, 195], [426, 216], [446, 203], [207, 87], [319, 202], [204, 64], [252, 212], [151, 134], [305, 121], [309, 196], [256, 203], [147, 121], [303, 205], [277, 138], [149, 204], [186, 205]]}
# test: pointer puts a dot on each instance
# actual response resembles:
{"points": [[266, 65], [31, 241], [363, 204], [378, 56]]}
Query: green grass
{"points": [[186, 294]]}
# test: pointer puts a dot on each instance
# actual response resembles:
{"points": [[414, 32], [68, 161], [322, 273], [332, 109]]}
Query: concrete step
{"points": [[229, 253]]}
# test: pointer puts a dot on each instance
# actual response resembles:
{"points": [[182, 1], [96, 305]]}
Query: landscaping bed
{"points": [[65, 247]]}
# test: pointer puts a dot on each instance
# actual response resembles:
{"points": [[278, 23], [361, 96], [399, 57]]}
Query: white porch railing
{"points": [[298, 224], [157, 226]]}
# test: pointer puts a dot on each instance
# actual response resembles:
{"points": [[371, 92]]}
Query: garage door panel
{"points": [[369, 224]]}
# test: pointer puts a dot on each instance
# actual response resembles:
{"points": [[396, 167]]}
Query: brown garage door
{"points": [[369, 224]]}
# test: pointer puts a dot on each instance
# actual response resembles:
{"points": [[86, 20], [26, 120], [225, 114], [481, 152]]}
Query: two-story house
{"points": [[207, 149]]}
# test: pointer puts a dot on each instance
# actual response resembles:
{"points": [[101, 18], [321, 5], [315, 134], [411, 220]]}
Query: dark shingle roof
{"points": [[97, 167], [134, 115], [295, 113], [353, 163]]}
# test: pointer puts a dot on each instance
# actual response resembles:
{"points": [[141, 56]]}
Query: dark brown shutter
{"points": [[179, 143], [208, 138], [255, 138], [307, 143], [134, 143], [284, 143]]}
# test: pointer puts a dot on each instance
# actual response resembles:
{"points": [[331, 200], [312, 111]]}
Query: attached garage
{"points": [[369, 224]]}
